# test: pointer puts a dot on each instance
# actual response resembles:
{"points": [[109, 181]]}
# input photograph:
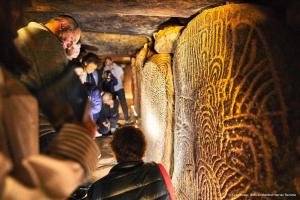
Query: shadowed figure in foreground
{"points": [[131, 178]]}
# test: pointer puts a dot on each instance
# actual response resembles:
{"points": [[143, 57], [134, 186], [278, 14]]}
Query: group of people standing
{"points": [[42, 97], [104, 85]]}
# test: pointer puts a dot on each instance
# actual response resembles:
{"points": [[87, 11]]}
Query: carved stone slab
{"points": [[231, 137], [157, 101], [140, 60]]}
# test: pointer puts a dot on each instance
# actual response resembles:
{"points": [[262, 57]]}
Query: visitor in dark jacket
{"points": [[109, 114], [109, 81], [92, 80], [131, 178], [92, 74]]}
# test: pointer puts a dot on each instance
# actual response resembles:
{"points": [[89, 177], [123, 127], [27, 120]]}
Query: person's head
{"points": [[108, 61], [128, 144], [74, 51], [66, 29], [80, 73], [107, 98], [11, 19], [107, 75], [90, 62]]}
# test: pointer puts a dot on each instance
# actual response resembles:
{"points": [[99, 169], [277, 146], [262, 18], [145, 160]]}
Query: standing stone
{"points": [[231, 136], [140, 60], [157, 102]]}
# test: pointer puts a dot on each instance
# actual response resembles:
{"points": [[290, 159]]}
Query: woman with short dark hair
{"points": [[132, 178]]}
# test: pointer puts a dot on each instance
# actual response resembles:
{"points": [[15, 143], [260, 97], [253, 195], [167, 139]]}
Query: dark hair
{"points": [[72, 23], [107, 74], [89, 58], [107, 58], [128, 144]]}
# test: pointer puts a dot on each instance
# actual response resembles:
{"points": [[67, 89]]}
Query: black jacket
{"points": [[99, 83], [108, 85], [131, 180]]}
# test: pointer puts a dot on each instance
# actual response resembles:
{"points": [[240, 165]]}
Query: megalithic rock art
{"points": [[231, 136], [157, 102]]}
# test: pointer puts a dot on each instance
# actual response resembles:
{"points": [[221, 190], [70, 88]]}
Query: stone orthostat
{"points": [[157, 101], [231, 130]]}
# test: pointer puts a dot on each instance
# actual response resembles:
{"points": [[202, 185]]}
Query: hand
{"points": [[106, 124]]}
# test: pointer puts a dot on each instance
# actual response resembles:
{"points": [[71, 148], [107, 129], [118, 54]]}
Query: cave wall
{"points": [[157, 101], [231, 132]]}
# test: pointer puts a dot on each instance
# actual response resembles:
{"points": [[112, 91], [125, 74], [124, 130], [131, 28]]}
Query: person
{"points": [[109, 115], [25, 173], [80, 73], [74, 51], [93, 75], [118, 72], [132, 178], [109, 82], [44, 47], [93, 83], [47, 48]]}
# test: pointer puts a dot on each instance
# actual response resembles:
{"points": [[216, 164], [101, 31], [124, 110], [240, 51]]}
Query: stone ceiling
{"points": [[117, 27]]}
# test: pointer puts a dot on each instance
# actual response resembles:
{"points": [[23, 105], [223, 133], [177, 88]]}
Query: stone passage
{"points": [[231, 130], [157, 96]]}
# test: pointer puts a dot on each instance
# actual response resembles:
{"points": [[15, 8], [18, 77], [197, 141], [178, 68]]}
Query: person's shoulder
{"points": [[150, 165], [95, 189], [98, 183], [102, 181], [34, 26], [116, 66], [35, 33]]}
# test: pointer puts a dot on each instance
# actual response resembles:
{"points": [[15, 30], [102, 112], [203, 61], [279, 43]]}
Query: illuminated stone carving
{"points": [[157, 96], [230, 118], [140, 60], [166, 38]]}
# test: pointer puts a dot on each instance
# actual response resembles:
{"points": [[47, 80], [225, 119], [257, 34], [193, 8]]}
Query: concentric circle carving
{"points": [[230, 116]]}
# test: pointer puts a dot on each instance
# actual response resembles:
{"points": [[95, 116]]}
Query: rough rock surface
{"points": [[157, 94], [165, 39], [231, 136]]}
